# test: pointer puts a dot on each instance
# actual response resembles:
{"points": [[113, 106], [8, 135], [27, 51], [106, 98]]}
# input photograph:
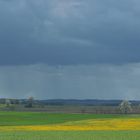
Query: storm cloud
{"points": [[74, 82], [62, 32], [70, 49]]}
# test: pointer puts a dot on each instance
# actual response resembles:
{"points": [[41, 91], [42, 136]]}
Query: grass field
{"points": [[33, 118], [44, 126], [70, 135]]}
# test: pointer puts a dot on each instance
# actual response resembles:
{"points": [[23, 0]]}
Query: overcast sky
{"points": [[79, 49]]}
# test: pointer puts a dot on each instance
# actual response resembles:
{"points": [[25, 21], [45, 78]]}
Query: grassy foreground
{"points": [[71, 135], [43, 126]]}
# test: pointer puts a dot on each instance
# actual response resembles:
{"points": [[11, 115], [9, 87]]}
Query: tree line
{"points": [[124, 107]]}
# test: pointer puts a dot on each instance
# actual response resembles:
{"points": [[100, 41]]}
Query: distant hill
{"points": [[88, 102]]}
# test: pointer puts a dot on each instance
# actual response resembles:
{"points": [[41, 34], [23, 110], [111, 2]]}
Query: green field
{"points": [[33, 118], [27, 118], [76, 135]]}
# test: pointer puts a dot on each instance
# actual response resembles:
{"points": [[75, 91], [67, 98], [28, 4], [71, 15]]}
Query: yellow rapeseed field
{"points": [[94, 124]]}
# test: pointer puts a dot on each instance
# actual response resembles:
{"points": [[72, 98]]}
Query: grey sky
{"points": [[94, 43]]}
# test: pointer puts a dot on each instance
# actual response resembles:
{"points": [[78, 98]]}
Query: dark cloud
{"points": [[75, 82], [60, 32], [70, 49]]}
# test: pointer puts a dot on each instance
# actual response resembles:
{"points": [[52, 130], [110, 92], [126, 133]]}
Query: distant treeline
{"points": [[88, 102], [91, 102], [71, 106]]}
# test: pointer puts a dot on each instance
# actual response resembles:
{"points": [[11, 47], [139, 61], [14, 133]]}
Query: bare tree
{"points": [[8, 102], [125, 107], [30, 102]]}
